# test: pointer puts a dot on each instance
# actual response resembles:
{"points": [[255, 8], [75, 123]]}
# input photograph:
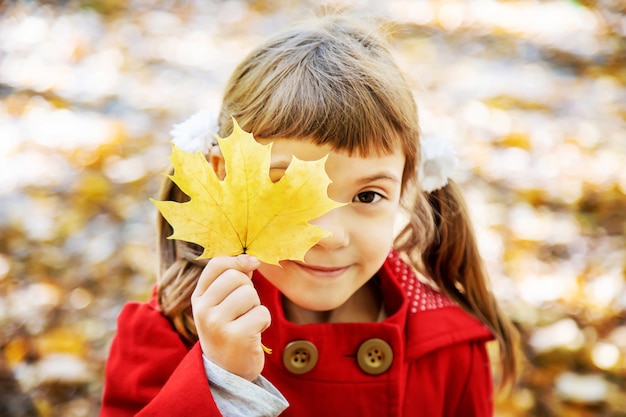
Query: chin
{"points": [[317, 305]]}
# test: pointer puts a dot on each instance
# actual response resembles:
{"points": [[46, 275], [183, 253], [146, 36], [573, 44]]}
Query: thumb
{"points": [[247, 263]]}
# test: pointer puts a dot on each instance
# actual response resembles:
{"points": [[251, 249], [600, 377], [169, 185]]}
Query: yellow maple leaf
{"points": [[247, 212]]}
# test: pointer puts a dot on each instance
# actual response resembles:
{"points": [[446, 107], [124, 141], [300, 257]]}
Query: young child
{"points": [[373, 323]]}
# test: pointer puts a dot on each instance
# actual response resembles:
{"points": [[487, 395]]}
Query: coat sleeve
{"points": [[151, 372]]}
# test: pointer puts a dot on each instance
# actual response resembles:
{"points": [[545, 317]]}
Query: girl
{"points": [[373, 323]]}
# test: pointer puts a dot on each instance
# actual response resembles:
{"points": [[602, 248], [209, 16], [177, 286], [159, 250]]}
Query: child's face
{"points": [[362, 231]]}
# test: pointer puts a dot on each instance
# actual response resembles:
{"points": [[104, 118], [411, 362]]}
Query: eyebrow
{"points": [[383, 175]]}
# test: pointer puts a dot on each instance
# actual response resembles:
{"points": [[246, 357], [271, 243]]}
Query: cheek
{"points": [[375, 236]]}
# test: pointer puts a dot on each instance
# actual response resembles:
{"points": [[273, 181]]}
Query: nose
{"points": [[335, 223]]}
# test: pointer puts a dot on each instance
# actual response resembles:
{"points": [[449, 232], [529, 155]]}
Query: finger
{"points": [[224, 285], [237, 303], [216, 266], [254, 322]]}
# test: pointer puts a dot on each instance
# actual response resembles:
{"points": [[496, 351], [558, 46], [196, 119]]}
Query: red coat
{"points": [[439, 364]]}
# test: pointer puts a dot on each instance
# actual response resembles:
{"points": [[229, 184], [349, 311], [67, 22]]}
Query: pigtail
{"points": [[447, 251], [178, 270], [454, 263]]}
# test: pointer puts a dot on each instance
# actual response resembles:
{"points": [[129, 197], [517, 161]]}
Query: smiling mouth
{"points": [[322, 271]]}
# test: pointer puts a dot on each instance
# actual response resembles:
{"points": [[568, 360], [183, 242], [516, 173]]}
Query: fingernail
{"points": [[251, 259]]}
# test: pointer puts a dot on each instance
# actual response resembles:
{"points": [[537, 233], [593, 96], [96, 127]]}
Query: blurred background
{"points": [[531, 94]]}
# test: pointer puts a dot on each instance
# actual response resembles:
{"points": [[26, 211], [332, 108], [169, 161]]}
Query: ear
{"points": [[217, 162]]}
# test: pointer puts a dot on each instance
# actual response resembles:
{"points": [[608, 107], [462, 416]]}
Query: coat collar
{"points": [[419, 318]]}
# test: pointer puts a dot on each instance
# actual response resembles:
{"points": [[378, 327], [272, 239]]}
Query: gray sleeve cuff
{"points": [[236, 396]]}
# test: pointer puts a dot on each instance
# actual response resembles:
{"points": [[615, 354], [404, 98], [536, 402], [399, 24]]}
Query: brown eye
{"points": [[367, 197], [276, 174]]}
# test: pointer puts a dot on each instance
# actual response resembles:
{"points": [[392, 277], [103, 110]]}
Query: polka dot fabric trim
{"points": [[421, 296]]}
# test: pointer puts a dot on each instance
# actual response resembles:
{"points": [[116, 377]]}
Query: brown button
{"points": [[375, 356], [300, 356]]}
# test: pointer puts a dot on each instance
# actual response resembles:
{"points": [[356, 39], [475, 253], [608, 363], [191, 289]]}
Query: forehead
{"points": [[308, 150], [338, 161]]}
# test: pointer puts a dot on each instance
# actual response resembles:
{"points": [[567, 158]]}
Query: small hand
{"points": [[229, 316]]}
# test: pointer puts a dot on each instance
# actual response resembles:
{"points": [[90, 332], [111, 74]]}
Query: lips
{"points": [[322, 271]]}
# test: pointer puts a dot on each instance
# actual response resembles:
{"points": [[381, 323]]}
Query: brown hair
{"points": [[334, 81]]}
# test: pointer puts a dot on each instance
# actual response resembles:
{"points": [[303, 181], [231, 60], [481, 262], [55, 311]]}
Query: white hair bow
{"points": [[437, 164], [196, 133]]}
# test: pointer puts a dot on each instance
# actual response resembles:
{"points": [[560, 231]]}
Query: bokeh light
{"points": [[532, 94]]}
